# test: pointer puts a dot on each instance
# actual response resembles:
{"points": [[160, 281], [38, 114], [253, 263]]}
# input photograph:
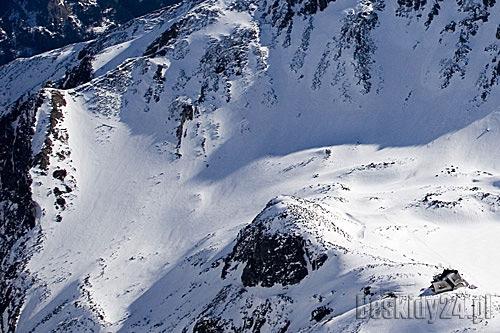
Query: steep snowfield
{"points": [[377, 132]]}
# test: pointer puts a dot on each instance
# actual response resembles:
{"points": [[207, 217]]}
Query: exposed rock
{"points": [[17, 209], [80, 74], [60, 174], [319, 313], [42, 159], [280, 244], [208, 325], [29, 27]]}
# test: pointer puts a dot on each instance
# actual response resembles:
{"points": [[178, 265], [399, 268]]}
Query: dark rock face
{"points": [[80, 74], [272, 260], [356, 33], [60, 174], [411, 4], [29, 27], [356, 38], [273, 249], [17, 209], [319, 313], [207, 325], [187, 113], [167, 37], [282, 13]]}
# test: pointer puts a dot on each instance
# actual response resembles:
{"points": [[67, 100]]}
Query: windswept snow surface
{"points": [[193, 123]]}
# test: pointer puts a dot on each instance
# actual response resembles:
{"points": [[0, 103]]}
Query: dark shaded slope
{"points": [[31, 27]]}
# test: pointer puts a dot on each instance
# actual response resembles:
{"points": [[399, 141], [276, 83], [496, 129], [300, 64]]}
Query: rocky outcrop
{"points": [[17, 209], [42, 159], [264, 259], [320, 313], [282, 244], [34, 26], [80, 74]]}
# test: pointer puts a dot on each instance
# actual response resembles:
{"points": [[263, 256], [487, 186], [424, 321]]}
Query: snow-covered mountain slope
{"points": [[240, 165]]}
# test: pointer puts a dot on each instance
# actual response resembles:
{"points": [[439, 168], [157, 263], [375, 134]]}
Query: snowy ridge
{"points": [[152, 151], [282, 241]]}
